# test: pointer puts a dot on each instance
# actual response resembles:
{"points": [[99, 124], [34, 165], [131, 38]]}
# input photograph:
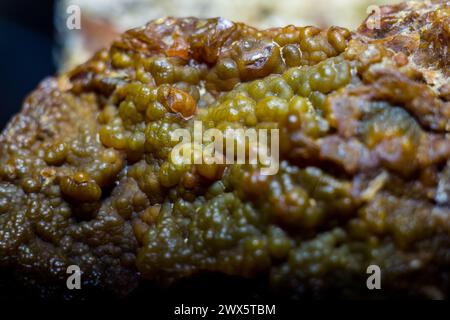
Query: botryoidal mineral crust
{"points": [[86, 178]]}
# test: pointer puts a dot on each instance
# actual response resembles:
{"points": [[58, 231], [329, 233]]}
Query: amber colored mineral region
{"points": [[86, 176]]}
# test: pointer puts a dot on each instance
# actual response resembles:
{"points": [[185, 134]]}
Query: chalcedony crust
{"points": [[86, 178]]}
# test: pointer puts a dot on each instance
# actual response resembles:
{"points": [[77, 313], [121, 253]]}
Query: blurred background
{"points": [[35, 41], [26, 50]]}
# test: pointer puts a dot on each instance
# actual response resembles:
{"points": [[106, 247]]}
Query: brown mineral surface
{"points": [[86, 176]]}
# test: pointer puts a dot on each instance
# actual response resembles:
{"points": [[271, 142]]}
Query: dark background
{"points": [[26, 50]]}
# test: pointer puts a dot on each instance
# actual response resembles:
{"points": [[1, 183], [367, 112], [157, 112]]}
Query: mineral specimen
{"points": [[86, 178]]}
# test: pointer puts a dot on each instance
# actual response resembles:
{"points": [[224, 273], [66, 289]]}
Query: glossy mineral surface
{"points": [[86, 178]]}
